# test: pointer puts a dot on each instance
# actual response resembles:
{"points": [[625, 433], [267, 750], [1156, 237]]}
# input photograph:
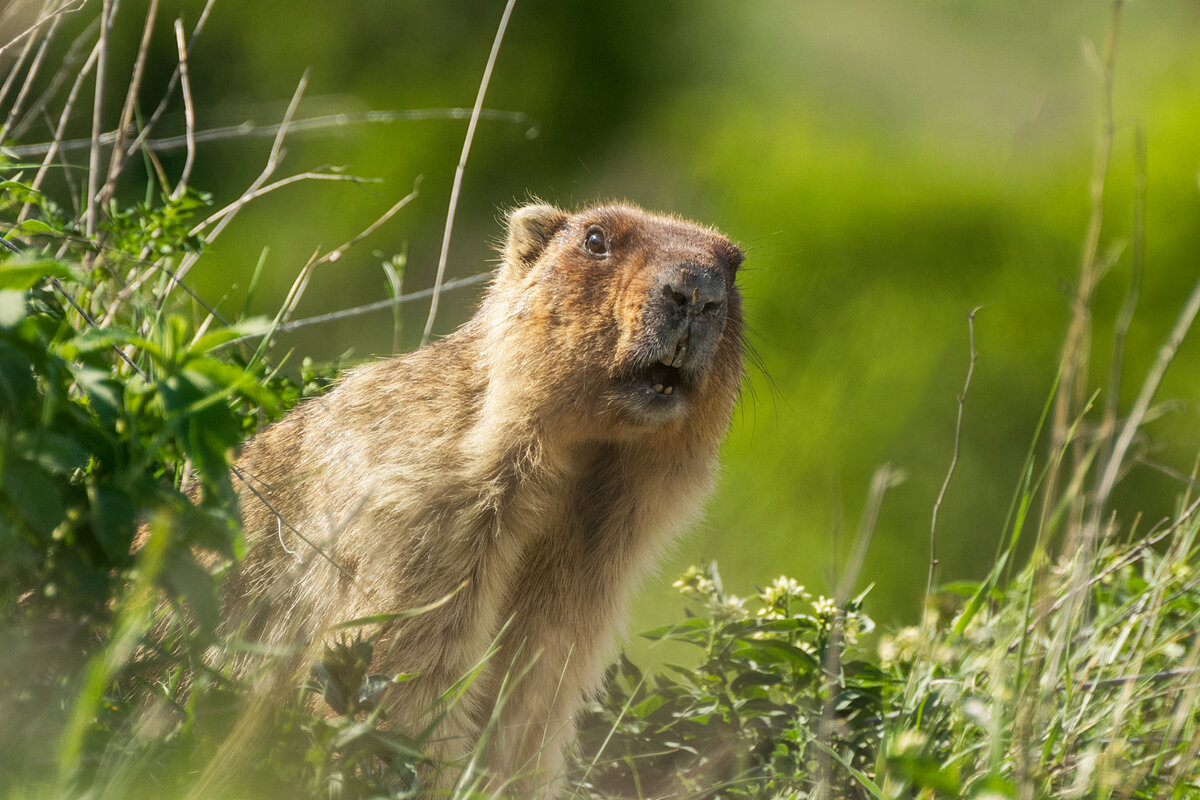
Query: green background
{"points": [[886, 166]]}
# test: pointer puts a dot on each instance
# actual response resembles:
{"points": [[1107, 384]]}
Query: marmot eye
{"points": [[595, 242]]}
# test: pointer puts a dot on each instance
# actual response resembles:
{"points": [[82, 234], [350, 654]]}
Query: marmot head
{"points": [[621, 315]]}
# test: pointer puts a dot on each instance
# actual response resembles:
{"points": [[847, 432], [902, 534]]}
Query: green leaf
{"points": [[254, 326], [95, 339], [102, 390], [647, 706], [34, 226], [754, 678], [379, 619], [20, 274], [211, 437], [747, 628], [112, 521], [693, 630], [859, 776], [18, 388], [227, 379], [767, 651], [54, 452], [927, 774], [12, 307], [194, 586], [33, 494]]}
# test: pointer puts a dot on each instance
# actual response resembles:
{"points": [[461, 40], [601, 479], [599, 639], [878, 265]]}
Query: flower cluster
{"points": [[779, 598], [785, 598], [695, 582]]}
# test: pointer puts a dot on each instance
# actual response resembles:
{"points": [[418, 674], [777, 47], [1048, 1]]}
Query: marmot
{"points": [[528, 467]]}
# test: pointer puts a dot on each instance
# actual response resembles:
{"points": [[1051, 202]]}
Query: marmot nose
{"points": [[696, 290]]}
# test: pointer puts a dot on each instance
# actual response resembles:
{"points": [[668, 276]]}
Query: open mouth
{"points": [[662, 378]]}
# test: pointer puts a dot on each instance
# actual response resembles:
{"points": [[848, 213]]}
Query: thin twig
{"points": [[1125, 317], [30, 76], [297, 126], [222, 217], [378, 305], [250, 195], [108, 10], [189, 112], [68, 106], [937, 505], [149, 124], [88, 319], [1166, 354], [1076, 350], [247, 481], [458, 172], [269, 168], [116, 162], [301, 283], [881, 481], [65, 8], [67, 68]]}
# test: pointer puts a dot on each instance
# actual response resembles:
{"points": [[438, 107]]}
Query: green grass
{"points": [[1071, 670]]}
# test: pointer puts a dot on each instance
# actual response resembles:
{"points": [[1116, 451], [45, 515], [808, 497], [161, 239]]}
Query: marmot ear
{"points": [[530, 229]]}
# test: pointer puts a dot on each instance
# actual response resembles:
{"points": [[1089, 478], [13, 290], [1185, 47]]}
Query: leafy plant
{"points": [[772, 691]]}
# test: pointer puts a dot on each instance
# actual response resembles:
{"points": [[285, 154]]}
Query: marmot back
{"points": [[527, 467]]}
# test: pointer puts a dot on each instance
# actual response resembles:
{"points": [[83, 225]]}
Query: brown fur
{"points": [[527, 458]]}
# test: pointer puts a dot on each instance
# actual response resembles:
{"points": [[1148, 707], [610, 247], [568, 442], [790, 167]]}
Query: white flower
{"points": [[824, 606]]}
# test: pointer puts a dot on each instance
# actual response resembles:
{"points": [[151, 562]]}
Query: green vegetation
{"points": [[1070, 668]]}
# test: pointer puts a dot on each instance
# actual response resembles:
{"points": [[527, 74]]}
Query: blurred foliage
{"points": [[91, 438], [106, 628]]}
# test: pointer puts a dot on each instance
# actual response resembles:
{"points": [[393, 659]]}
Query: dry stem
{"points": [[108, 11], [1076, 348], [250, 129], [462, 164], [189, 112], [36, 183], [116, 159], [937, 505]]}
